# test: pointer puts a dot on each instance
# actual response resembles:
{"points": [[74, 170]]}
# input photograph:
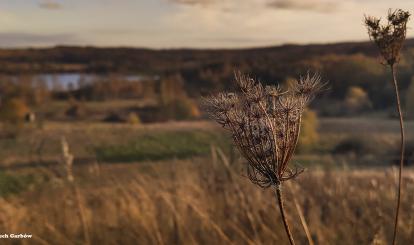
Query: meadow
{"points": [[183, 183], [115, 161]]}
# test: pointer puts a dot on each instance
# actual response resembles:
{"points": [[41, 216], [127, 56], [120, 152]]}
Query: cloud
{"points": [[50, 4], [117, 31], [239, 41], [312, 5], [307, 5], [193, 2], [19, 39]]}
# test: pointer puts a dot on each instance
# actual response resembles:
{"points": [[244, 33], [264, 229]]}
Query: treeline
{"points": [[348, 67], [154, 100]]}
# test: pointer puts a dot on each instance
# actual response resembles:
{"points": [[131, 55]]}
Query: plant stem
{"points": [[402, 145], [279, 196], [303, 221]]}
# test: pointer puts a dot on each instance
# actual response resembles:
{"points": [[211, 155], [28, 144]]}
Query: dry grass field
{"points": [[190, 189], [206, 201]]}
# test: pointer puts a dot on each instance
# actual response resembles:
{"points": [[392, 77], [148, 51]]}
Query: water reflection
{"points": [[72, 81]]}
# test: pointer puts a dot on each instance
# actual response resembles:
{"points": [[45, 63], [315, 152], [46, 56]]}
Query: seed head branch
{"points": [[389, 37], [265, 124]]}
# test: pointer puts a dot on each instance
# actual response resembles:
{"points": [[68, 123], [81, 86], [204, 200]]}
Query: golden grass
{"points": [[205, 202]]}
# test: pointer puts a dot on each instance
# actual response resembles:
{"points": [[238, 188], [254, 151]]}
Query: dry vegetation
{"points": [[390, 38], [201, 200], [265, 124], [206, 201]]}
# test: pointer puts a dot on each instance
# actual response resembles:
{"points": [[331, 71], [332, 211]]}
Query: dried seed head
{"points": [[265, 124], [390, 37], [307, 86]]}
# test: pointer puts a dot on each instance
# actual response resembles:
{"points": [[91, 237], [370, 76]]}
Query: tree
{"points": [[356, 100]]}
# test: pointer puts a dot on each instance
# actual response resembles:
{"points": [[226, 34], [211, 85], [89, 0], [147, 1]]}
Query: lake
{"points": [[71, 81]]}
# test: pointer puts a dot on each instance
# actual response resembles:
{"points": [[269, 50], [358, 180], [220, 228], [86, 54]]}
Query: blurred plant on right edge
{"points": [[389, 39]]}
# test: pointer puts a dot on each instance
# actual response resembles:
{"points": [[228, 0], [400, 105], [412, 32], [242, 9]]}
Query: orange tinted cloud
{"points": [[311, 5], [315, 5], [49, 4]]}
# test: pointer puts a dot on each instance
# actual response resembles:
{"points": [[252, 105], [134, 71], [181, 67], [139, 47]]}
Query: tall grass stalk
{"points": [[67, 158], [82, 214], [301, 217]]}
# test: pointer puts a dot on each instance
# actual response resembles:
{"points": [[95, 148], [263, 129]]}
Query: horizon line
{"points": [[247, 47]]}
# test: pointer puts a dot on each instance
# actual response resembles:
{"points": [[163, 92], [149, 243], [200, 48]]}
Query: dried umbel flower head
{"points": [[265, 124], [390, 37]]}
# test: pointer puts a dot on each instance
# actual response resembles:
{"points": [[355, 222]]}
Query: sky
{"points": [[187, 23]]}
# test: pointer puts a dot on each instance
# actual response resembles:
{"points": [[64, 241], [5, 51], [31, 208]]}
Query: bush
{"points": [[14, 111], [113, 117], [76, 109], [329, 107], [133, 119], [185, 108], [309, 132], [355, 145], [182, 108], [356, 100], [10, 184], [408, 154]]}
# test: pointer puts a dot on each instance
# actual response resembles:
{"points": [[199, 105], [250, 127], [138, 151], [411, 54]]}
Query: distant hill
{"points": [[204, 71], [92, 59]]}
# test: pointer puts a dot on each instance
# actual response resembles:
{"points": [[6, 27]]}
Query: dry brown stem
{"points": [[390, 38]]}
